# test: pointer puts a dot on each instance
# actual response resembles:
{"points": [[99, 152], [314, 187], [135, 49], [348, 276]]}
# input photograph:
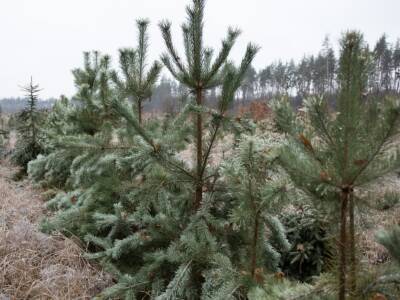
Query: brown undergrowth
{"points": [[34, 265]]}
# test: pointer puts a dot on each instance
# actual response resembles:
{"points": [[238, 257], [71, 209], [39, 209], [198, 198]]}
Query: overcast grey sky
{"points": [[45, 38]]}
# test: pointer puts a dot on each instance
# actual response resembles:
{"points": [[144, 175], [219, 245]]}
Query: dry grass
{"points": [[34, 265], [375, 220]]}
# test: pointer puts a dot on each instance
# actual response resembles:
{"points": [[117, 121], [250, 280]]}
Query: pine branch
{"points": [[176, 286], [165, 27], [379, 148], [226, 48], [143, 44]]}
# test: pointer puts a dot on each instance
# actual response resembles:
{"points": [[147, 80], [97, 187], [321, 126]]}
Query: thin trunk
{"points": [[33, 125], [199, 150], [253, 250], [353, 261], [254, 246], [140, 111], [344, 196]]}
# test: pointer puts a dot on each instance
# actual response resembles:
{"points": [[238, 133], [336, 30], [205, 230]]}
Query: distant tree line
{"points": [[13, 105], [312, 75], [318, 74]]}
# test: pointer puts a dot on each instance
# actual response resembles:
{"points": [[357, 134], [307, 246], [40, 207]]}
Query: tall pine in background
{"points": [[29, 135], [332, 155]]}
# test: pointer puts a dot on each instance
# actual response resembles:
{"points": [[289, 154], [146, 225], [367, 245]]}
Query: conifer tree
{"points": [[133, 198], [332, 155], [94, 93], [136, 83], [187, 235], [29, 135], [258, 188], [53, 169], [198, 73], [77, 128]]}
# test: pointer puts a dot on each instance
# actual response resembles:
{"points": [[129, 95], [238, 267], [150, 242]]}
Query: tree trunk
{"points": [[140, 111], [199, 151], [254, 246], [353, 261], [344, 197]]}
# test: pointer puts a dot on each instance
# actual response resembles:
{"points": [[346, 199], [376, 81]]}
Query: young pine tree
{"points": [[136, 84], [76, 129], [199, 73], [53, 169], [257, 187], [333, 154], [184, 248], [179, 245], [93, 98], [29, 135]]}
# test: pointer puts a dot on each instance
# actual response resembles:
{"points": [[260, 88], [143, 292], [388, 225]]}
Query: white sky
{"points": [[46, 38]]}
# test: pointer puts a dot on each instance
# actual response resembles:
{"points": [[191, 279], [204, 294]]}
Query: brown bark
{"points": [[140, 111], [344, 197], [199, 151], [254, 246], [352, 246]]}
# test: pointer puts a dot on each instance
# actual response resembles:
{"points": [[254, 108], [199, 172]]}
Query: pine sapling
{"points": [[258, 190], [199, 73], [136, 84], [333, 154], [29, 136]]}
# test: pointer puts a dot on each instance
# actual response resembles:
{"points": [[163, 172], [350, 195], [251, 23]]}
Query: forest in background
{"points": [[312, 75]]}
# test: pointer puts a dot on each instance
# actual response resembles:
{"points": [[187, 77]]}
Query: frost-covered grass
{"points": [[34, 265]]}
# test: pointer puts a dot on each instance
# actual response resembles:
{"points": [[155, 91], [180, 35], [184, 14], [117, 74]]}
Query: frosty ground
{"points": [[34, 265]]}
